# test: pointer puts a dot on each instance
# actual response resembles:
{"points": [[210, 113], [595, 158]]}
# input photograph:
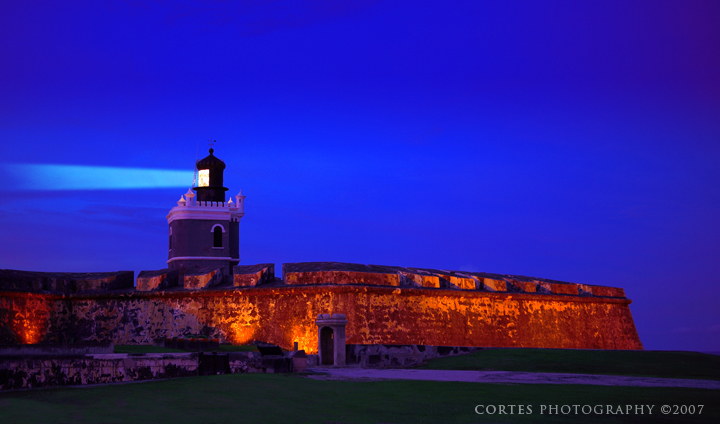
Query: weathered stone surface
{"points": [[314, 273], [379, 308], [560, 288], [608, 291], [342, 277], [25, 317], [252, 275], [65, 282], [521, 286], [419, 279], [447, 279], [376, 315], [299, 360], [393, 356], [57, 349], [21, 372], [494, 285], [585, 290], [157, 280], [200, 278], [460, 282]]}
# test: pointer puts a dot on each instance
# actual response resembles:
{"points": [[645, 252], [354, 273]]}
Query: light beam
{"points": [[80, 177]]}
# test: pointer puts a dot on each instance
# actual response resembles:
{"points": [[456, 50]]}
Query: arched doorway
{"points": [[331, 339], [327, 346]]}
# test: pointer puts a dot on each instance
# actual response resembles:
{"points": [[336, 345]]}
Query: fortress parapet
{"points": [[336, 273], [302, 274], [64, 282]]}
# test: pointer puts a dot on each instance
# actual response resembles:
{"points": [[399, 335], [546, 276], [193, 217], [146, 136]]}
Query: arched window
{"points": [[217, 236], [170, 244]]}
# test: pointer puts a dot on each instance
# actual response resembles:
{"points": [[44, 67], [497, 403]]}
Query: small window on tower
{"points": [[217, 237], [204, 178]]}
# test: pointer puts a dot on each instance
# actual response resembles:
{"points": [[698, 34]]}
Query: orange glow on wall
{"points": [[31, 333], [28, 316], [305, 337], [242, 334]]}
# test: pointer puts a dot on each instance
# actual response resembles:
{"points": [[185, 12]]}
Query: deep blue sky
{"points": [[577, 141]]}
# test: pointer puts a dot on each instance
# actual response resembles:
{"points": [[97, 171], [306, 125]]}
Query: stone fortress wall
{"points": [[384, 305]]}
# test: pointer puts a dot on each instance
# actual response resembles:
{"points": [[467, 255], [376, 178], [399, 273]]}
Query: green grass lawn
{"points": [[617, 362], [157, 349], [268, 398]]}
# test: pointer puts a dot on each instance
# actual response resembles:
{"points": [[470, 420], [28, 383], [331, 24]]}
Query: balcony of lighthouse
{"points": [[187, 201]]}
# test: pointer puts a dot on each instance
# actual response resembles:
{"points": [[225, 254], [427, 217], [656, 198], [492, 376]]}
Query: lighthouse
{"points": [[204, 228]]}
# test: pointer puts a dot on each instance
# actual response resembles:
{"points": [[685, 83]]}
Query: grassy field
{"points": [[614, 362], [268, 398], [157, 349], [275, 398]]}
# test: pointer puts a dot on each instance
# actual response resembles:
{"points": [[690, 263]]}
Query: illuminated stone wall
{"points": [[469, 310], [25, 317], [376, 315]]}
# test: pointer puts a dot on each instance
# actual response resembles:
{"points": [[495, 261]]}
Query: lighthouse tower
{"points": [[203, 227]]}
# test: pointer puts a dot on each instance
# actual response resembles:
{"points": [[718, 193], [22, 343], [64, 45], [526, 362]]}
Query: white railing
{"points": [[187, 203], [188, 200]]}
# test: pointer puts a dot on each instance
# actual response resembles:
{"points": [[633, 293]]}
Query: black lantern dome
{"points": [[210, 162], [210, 179]]}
